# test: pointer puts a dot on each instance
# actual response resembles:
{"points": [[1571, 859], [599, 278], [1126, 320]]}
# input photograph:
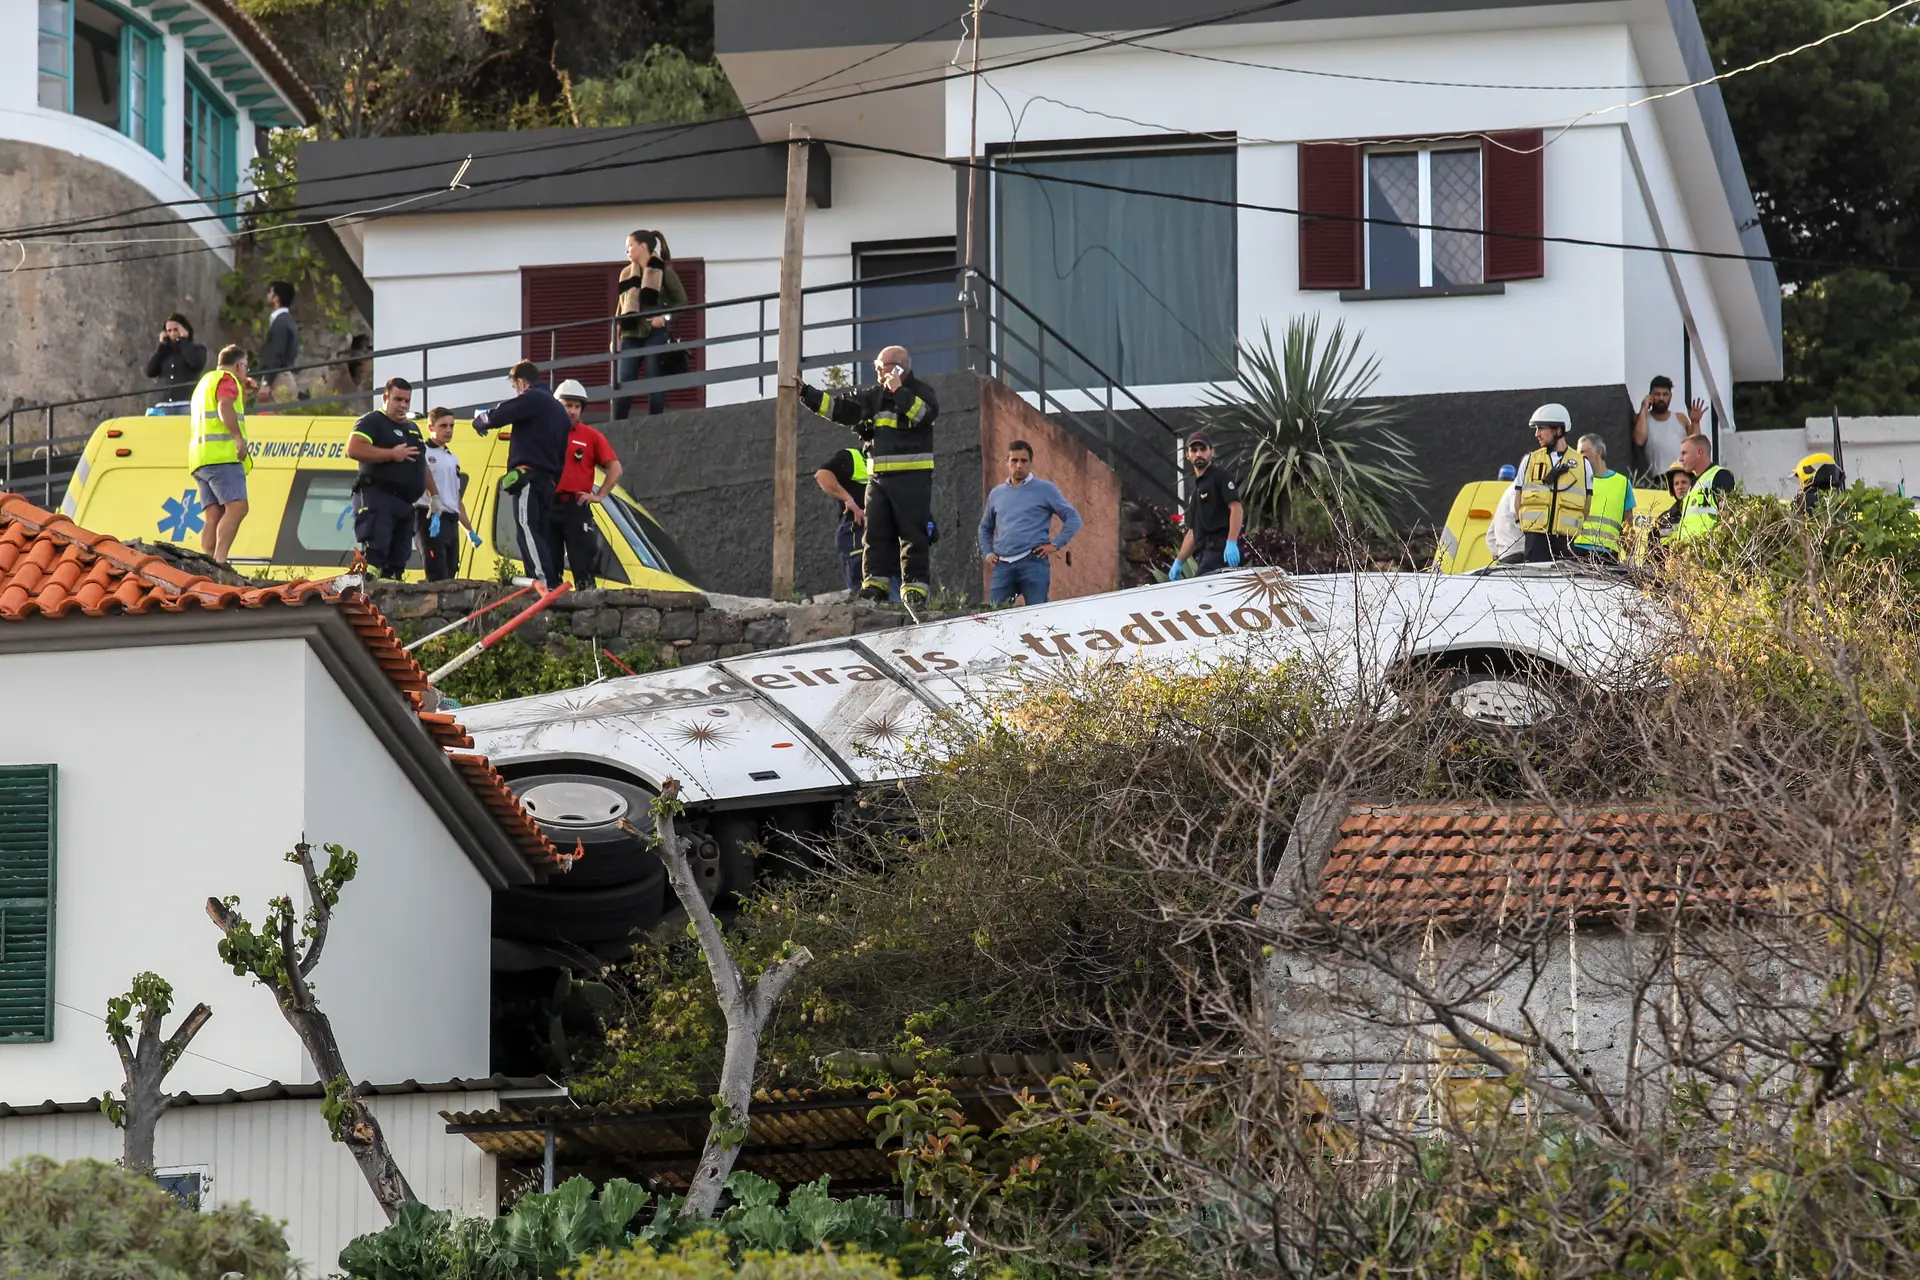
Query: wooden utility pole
{"points": [[786, 405]]}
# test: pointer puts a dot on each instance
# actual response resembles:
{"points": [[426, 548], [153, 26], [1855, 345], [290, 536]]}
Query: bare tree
{"points": [[146, 1058], [281, 956], [745, 1006]]}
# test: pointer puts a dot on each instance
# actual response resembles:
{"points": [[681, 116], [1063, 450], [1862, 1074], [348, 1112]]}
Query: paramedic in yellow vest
{"points": [[1602, 536], [843, 477], [217, 453], [1700, 511], [1553, 488]]}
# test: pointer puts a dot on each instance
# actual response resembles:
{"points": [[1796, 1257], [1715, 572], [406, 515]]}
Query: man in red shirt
{"points": [[574, 539]]}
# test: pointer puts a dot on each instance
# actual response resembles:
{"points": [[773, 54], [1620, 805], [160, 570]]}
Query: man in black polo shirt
{"points": [[1213, 517], [534, 463], [393, 473]]}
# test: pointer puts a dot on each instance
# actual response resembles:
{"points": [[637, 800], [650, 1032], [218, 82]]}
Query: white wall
{"points": [[186, 772], [279, 1157], [406, 973], [447, 276]]}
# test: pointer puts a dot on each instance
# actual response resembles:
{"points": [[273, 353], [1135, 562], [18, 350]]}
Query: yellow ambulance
{"points": [[132, 482], [1463, 539]]}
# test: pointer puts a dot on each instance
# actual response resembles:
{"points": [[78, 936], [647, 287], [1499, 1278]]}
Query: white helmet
{"points": [[1552, 415], [570, 390]]}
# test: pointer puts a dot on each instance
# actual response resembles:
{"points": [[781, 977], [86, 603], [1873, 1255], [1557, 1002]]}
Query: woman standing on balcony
{"points": [[647, 282]]}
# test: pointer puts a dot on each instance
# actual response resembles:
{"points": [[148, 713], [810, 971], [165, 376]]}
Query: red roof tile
{"points": [[52, 568], [1411, 864]]}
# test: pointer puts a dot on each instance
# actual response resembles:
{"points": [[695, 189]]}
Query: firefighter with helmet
{"points": [[1554, 488], [1818, 473]]}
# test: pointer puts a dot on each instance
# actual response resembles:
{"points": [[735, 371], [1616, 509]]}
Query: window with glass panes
{"points": [[208, 165], [56, 54], [102, 64], [1424, 218]]}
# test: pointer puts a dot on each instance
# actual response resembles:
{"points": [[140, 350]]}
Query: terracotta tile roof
{"points": [[52, 568], [1410, 864]]}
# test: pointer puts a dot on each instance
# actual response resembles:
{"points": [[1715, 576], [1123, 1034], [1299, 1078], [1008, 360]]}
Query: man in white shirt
{"points": [[441, 511], [1658, 428]]}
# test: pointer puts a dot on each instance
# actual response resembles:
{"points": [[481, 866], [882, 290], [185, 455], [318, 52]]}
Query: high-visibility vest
{"points": [[1606, 513], [211, 442], [861, 472], [1553, 504], [1701, 511]]}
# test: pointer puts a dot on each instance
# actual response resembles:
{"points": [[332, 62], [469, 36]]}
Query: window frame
{"points": [[142, 46], [1423, 235], [45, 1032], [200, 93], [65, 37]]}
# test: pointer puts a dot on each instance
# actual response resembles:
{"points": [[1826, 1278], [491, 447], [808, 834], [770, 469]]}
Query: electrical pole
{"points": [[786, 405], [973, 178]]}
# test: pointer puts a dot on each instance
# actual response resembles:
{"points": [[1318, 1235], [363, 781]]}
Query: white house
{"points": [[115, 113], [1142, 190], [164, 740]]}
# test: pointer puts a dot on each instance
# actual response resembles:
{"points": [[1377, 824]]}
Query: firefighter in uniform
{"points": [[1554, 486], [1818, 473], [844, 477], [393, 473], [901, 410]]}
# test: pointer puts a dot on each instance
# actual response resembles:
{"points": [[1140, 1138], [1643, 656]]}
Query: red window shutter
{"points": [[561, 296], [1513, 171], [690, 326], [1330, 244]]}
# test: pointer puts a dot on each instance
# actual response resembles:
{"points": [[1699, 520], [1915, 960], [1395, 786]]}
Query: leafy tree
{"points": [[1299, 418], [146, 1058], [281, 956], [1831, 144], [662, 87], [85, 1219], [274, 246]]}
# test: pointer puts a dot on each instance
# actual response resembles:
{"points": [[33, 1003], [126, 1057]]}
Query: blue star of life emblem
{"points": [[182, 516]]}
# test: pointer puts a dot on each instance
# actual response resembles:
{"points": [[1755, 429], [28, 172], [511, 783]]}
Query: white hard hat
{"points": [[1552, 414], [570, 390]]}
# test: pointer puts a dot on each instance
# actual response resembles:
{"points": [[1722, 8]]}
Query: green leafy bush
{"points": [[708, 1258], [515, 669], [547, 1232], [86, 1219]]}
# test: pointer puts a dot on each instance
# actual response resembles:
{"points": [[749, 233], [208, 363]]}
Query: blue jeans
{"points": [[631, 366], [1029, 579]]}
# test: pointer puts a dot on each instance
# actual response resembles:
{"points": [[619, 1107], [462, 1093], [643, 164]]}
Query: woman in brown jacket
{"points": [[647, 283]]}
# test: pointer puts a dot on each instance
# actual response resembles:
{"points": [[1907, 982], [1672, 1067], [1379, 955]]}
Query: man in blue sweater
{"points": [[1016, 530], [534, 463]]}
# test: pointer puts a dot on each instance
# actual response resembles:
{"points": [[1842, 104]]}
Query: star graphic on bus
{"points": [[182, 516]]}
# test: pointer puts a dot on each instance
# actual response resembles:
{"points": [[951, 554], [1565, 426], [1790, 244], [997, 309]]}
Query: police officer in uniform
{"points": [[844, 477], [1214, 516], [393, 473], [901, 410], [1555, 486], [1700, 509]]}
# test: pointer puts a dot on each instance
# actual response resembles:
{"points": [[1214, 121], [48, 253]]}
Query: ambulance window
{"points": [[318, 526], [652, 544]]}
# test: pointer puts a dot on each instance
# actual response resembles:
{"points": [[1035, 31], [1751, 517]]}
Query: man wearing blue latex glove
{"points": [[440, 537], [433, 526], [1214, 516], [1175, 573]]}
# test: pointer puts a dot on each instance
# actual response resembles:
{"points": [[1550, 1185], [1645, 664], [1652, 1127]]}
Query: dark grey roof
{"points": [[554, 168], [756, 26], [274, 1091]]}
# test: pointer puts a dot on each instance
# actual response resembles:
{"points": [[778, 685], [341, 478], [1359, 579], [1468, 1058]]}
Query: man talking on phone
{"points": [[899, 409]]}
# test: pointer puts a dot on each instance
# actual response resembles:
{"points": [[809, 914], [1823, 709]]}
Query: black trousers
{"points": [[1210, 554], [383, 526], [532, 516], [574, 540], [441, 555], [1545, 547], [899, 508]]}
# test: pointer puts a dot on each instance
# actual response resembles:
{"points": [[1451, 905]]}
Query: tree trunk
{"points": [[746, 1010], [146, 1063], [355, 1127]]}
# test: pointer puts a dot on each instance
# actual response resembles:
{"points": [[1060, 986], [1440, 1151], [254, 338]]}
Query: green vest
{"points": [[211, 442], [1701, 511], [1606, 513], [861, 471]]}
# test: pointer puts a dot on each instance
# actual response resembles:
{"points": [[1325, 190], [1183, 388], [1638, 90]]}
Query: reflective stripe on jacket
{"points": [[211, 442], [1606, 513], [1701, 510], [861, 472], [1553, 504]]}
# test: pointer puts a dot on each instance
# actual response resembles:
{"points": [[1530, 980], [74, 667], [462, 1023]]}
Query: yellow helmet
{"points": [[1809, 467]]}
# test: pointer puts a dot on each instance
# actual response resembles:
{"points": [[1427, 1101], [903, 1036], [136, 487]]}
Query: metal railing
{"points": [[1029, 356]]}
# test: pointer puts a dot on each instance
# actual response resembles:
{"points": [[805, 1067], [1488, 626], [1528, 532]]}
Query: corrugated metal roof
{"points": [[793, 1135], [274, 1091]]}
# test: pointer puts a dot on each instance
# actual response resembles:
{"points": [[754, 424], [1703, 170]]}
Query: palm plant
{"points": [[1298, 419]]}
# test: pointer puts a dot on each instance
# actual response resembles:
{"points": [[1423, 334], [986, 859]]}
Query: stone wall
{"points": [[682, 627]]}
